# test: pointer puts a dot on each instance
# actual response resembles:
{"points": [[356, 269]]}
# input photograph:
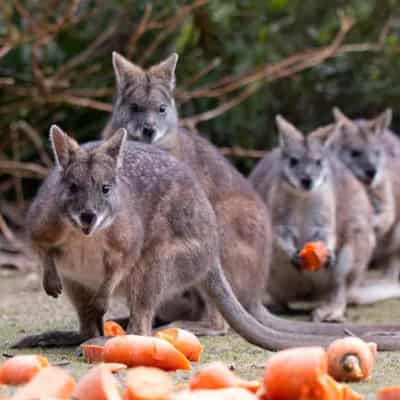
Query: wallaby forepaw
{"points": [[52, 284], [328, 314]]}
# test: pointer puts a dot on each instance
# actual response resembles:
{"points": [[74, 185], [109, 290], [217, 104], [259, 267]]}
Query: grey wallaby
{"points": [[313, 197], [145, 107], [372, 153], [118, 214]]}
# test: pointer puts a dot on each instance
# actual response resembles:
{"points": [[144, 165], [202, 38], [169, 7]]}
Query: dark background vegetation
{"points": [[55, 67]]}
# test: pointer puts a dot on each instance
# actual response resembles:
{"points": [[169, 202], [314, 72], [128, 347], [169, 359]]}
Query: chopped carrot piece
{"points": [[134, 350], [97, 384], [21, 369], [218, 376], [351, 359], [185, 341], [112, 328], [309, 366], [313, 256], [388, 393], [148, 383], [92, 353], [219, 394], [50, 382]]}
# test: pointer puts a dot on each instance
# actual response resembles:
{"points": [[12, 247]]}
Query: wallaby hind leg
{"points": [[392, 269], [90, 317]]}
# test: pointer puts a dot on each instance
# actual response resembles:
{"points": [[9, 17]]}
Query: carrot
{"points": [[301, 374], [112, 328], [21, 369], [388, 393], [218, 376], [134, 350], [351, 359], [313, 256], [115, 367], [92, 353], [185, 341], [97, 384], [219, 394], [148, 383], [50, 382]]}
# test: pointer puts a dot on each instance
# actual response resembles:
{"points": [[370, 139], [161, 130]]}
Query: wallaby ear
{"points": [[325, 135], [114, 146], [165, 70], [64, 147], [340, 117], [288, 133], [381, 123], [124, 69]]}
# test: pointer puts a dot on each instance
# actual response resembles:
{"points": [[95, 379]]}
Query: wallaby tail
{"points": [[50, 339], [270, 338]]}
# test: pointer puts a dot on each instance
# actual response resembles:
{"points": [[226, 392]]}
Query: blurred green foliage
{"points": [[241, 34]]}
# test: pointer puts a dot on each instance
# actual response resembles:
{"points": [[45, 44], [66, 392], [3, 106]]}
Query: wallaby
{"points": [[312, 197], [371, 152], [145, 107], [118, 214]]}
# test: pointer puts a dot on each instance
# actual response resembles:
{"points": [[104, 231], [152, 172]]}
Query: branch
{"points": [[23, 169]]}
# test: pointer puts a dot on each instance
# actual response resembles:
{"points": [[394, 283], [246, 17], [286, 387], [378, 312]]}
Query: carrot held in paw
{"points": [[186, 342], [388, 393], [21, 369], [301, 374], [351, 359], [112, 328], [218, 376], [148, 383], [92, 353], [50, 382], [97, 384], [313, 256], [134, 350]]}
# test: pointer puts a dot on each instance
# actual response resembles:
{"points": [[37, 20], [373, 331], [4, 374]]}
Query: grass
{"points": [[25, 309]]}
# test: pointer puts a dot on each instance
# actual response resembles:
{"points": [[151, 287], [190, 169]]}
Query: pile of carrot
{"points": [[309, 373]]}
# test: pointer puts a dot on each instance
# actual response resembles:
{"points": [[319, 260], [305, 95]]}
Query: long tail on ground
{"points": [[50, 339]]}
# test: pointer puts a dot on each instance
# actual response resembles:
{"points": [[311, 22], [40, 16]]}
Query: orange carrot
{"points": [[97, 384], [92, 353], [50, 382], [148, 383], [185, 341], [134, 350], [21, 369], [218, 376], [313, 256], [112, 328], [388, 393], [219, 394], [351, 359], [301, 374]]}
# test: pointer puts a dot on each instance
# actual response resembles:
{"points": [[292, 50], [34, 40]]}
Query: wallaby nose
{"points": [[87, 217], [306, 183], [148, 132], [371, 173]]}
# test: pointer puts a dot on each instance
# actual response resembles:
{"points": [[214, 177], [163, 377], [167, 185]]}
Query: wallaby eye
{"points": [[293, 161], [318, 162], [134, 107], [163, 109], [355, 153], [73, 188], [106, 188]]}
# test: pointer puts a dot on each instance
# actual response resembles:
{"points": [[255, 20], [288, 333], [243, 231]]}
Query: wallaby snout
{"points": [[307, 183], [148, 132], [88, 220]]}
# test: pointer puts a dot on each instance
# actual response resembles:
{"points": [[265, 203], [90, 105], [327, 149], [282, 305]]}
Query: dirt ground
{"points": [[25, 309]]}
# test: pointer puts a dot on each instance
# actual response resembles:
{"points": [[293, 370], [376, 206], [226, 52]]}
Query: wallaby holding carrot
{"points": [[145, 106], [122, 214], [372, 153], [313, 197]]}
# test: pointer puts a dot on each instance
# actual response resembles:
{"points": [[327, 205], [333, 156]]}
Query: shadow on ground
{"points": [[24, 309]]}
